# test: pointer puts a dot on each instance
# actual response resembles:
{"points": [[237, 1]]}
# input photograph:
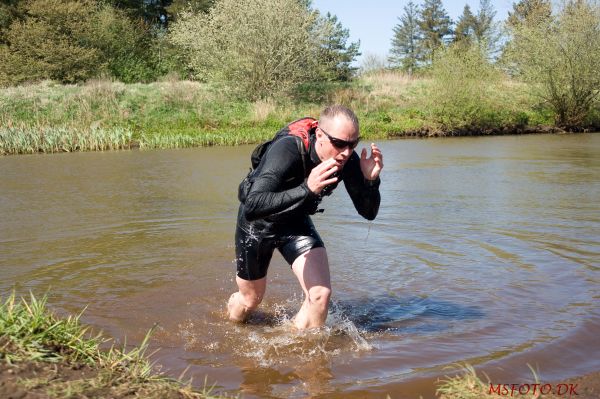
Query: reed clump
{"points": [[31, 140]]}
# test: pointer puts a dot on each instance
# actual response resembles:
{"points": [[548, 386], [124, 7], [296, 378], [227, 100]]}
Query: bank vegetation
{"points": [[46, 356], [82, 75]]}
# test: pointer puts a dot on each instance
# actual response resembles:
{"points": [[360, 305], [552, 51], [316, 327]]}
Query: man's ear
{"points": [[318, 134]]}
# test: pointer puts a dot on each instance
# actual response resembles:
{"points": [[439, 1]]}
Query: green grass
{"points": [[105, 115], [30, 333], [468, 385]]}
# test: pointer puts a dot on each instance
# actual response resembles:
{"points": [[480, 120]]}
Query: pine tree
{"points": [[334, 55], [405, 43], [434, 24], [465, 27], [486, 34], [485, 20], [529, 11]]}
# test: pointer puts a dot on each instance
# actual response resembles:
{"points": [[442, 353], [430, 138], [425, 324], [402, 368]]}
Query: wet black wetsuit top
{"points": [[280, 194], [276, 211]]}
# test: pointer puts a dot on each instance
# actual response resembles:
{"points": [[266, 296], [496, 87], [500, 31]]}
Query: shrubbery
{"points": [[251, 48], [73, 40], [560, 57], [464, 87]]}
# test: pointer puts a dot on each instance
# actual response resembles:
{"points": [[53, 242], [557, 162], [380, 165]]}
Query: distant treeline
{"points": [[261, 49]]}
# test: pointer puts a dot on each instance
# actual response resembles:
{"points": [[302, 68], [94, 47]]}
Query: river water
{"points": [[486, 250]]}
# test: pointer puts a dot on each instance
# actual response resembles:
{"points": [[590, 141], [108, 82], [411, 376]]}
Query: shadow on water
{"points": [[414, 314]]}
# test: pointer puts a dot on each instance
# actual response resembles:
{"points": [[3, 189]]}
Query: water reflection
{"points": [[419, 315], [305, 379]]}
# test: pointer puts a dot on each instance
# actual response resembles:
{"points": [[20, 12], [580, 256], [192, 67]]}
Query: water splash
{"points": [[269, 337]]}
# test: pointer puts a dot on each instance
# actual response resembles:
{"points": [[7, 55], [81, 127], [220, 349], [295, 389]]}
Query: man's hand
{"points": [[371, 167], [320, 176]]}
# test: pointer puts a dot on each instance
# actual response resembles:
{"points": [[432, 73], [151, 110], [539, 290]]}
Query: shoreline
{"points": [[424, 133], [44, 356]]}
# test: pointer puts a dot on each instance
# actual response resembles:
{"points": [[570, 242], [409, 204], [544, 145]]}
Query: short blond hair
{"points": [[332, 111]]}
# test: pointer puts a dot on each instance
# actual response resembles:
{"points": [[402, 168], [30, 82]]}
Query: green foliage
{"points": [[132, 50], [195, 6], [464, 89], [103, 114], [30, 332], [253, 49], [435, 25], [465, 27], [560, 57], [24, 140], [75, 40], [405, 43], [478, 29], [529, 12], [334, 55], [485, 32], [37, 334], [9, 11], [53, 42], [152, 12]]}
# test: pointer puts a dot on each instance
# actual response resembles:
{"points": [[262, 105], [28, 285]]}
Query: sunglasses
{"points": [[339, 143]]}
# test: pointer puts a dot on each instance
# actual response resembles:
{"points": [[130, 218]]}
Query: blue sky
{"points": [[372, 21]]}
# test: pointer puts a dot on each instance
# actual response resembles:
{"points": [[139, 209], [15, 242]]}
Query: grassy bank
{"points": [[44, 356], [104, 115]]}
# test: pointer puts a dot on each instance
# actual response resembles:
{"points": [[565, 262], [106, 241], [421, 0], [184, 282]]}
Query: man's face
{"points": [[333, 136]]}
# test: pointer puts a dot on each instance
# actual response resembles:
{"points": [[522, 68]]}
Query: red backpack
{"points": [[302, 128]]}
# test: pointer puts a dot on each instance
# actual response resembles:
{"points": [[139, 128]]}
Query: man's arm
{"points": [[267, 197], [364, 193]]}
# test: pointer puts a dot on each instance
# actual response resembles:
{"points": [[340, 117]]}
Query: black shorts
{"points": [[255, 242]]}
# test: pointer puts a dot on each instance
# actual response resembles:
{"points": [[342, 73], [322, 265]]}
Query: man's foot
{"points": [[235, 310]]}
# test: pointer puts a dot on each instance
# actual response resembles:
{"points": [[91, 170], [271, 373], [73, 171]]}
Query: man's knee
{"points": [[319, 296]]}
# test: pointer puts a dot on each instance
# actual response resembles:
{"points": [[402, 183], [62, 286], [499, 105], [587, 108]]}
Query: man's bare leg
{"points": [[248, 298], [312, 270]]}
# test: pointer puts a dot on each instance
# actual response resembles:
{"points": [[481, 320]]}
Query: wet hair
{"points": [[339, 110]]}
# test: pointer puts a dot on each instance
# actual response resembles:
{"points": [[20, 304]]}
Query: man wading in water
{"points": [[299, 167]]}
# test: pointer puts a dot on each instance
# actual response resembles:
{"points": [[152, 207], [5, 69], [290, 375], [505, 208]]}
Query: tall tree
{"points": [[486, 33], [405, 43], [529, 11], [465, 27], [434, 24], [334, 54], [485, 21]]}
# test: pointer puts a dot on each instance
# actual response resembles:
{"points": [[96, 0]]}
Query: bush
{"points": [[252, 48], [75, 40], [463, 89], [560, 56], [52, 43]]}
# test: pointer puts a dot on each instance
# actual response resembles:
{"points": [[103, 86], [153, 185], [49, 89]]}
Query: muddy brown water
{"points": [[486, 250]]}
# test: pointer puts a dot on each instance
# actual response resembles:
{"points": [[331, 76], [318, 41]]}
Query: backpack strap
{"points": [[302, 129]]}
